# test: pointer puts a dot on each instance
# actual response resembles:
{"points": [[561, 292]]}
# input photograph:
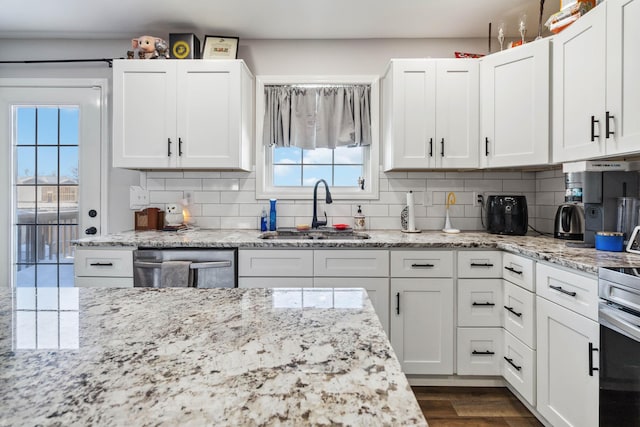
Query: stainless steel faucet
{"points": [[314, 222]]}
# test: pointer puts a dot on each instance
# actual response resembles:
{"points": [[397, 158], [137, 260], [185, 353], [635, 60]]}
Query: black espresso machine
{"points": [[507, 215]]}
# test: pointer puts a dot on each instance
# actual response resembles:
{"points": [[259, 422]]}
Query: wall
{"points": [[227, 199]]}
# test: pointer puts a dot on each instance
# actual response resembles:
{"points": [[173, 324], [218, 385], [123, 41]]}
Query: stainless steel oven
{"points": [[619, 317], [196, 268]]}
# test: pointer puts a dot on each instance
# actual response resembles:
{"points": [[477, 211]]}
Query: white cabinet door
{"points": [[514, 106], [567, 349], [579, 79], [480, 302], [350, 263], [182, 114], [457, 113], [431, 114], [409, 114], [422, 326], [623, 69], [144, 114]]}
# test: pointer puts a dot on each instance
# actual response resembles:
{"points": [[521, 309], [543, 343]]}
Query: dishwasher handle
{"points": [[193, 266]]}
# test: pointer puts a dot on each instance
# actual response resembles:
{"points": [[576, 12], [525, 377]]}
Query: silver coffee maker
{"points": [[599, 193]]}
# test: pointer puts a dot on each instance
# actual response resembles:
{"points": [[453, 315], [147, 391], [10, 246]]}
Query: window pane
{"points": [[26, 127], [285, 176], [47, 275], [69, 125], [66, 275], [348, 155], [347, 176], [25, 204], [25, 244], [68, 165], [47, 126], [25, 165], [47, 165], [66, 251], [68, 198], [318, 156], [46, 237], [287, 155], [311, 174]]}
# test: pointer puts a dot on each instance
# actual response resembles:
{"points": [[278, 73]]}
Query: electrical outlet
{"points": [[138, 197], [478, 199]]}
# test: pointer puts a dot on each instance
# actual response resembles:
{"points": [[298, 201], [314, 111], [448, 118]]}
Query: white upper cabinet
{"points": [[623, 69], [514, 106], [430, 114], [595, 63], [185, 114]]}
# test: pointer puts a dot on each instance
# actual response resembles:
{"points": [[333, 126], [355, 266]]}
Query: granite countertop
{"points": [[198, 357], [537, 247]]}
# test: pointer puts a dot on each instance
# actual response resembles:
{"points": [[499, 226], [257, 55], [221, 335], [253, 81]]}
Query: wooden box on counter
{"points": [[149, 219]]}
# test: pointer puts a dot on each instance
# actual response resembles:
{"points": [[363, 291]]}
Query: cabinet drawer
{"points": [[574, 291], [480, 351], [518, 270], [519, 313], [421, 263], [479, 264], [480, 302], [518, 367], [351, 263], [275, 282], [275, 263], [104, 262]]}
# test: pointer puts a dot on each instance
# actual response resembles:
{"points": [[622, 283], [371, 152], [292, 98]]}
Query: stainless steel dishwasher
{"points": [[203, 268]]}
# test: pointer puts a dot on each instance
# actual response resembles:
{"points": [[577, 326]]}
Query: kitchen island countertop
{"points": [[198, 357], [537, 247]]}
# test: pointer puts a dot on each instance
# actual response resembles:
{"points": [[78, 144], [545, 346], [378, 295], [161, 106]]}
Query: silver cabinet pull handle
{"points": [[193, 266]]}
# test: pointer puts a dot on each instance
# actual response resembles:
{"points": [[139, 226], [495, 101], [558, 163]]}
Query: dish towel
{"points": [[174, 274]]}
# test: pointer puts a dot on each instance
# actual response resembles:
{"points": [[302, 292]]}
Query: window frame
{"points": [[264, 160]]}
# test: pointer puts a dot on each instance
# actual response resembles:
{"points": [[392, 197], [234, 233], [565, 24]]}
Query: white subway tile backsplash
{"points": [[183, 184], [227, 199]]}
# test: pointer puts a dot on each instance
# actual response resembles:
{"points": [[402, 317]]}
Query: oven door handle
{"points": [[210, 264], [193, 266], [609, 319]]}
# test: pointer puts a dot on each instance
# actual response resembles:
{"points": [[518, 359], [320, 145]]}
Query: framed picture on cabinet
{"points": [[220, 47]]}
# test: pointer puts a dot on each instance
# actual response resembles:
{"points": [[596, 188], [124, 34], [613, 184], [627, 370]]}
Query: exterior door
{"points": [[51, 178]]}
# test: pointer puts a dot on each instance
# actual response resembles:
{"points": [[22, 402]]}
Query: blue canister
{"points": [[612, 241], [272, 215]]}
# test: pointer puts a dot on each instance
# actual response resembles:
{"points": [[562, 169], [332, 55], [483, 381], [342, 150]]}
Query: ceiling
{"points": [[270, 19]]}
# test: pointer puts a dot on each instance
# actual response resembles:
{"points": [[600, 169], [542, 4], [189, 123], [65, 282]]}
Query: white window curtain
{"points": [[327, 116]]}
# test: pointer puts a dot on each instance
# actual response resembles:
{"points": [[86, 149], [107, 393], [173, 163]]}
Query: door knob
{"points": [[91, 230]]}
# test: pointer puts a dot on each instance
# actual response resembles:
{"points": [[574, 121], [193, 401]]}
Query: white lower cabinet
{"points": [[108, 267], [422, 324], [479, 351], [567, 355], [519, 367]]}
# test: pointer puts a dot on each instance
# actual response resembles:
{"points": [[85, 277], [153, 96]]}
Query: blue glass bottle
{"points": [[272, 215]]}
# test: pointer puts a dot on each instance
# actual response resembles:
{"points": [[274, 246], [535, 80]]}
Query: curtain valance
{"points": [[326, 116]]}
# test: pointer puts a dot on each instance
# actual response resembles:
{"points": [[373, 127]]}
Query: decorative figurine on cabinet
{"points": [[150, 47], [173, 216]]}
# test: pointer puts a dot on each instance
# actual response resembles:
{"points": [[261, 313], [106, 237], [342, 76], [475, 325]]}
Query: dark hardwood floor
{"points": [[472, 406]]}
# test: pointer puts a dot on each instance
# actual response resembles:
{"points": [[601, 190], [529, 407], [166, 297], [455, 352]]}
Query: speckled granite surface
{"points": [[540, 248], [194, 357]]}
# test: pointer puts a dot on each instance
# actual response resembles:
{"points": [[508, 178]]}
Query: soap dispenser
{"points": [[359, 223]]}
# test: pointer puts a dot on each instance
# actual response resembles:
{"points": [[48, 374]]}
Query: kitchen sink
{"points": [[320, 234]]}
